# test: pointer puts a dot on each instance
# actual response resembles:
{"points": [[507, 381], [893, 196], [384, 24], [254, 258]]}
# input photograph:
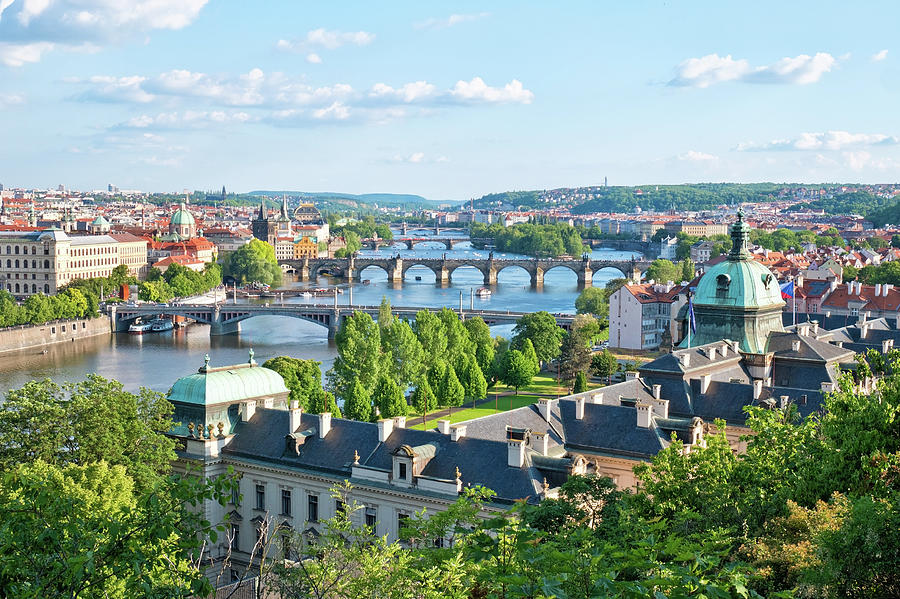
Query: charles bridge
{"points": [[396, 266], [225, 319]]}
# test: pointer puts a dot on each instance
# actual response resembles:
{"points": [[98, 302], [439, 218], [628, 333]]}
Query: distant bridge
{"points": [[225, 319], [443, 268], [410, 242]]}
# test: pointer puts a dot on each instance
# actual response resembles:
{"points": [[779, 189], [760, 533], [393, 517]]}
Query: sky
{"points": [[449, 100]]}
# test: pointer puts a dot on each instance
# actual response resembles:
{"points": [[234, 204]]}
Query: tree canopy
{"points": [[253, 262]]}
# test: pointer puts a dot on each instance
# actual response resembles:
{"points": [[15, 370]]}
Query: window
{"points": [[339, 507], [260, 497], [17, 264], [8, 263], [312, 508], [235, 492], [402, 471], [17, 250], [46, 264], [285, 502], [401, 522], [371, 517]]}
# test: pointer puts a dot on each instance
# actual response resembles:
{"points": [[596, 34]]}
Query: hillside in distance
{"points": [[382, 199]]}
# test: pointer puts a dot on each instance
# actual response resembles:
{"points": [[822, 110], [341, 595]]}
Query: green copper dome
{"points": [[739, 281], [182, 217], [227, 384], [100, 221]]}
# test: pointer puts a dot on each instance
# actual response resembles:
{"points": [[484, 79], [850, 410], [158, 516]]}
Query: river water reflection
{"points": [[157, 360]]}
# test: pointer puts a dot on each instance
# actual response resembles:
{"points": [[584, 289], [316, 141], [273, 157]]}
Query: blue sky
{"points": [[447, 100]]}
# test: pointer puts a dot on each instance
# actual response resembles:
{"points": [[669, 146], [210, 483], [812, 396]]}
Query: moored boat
{"points": [[161, 324], [139, 328], [483, 292]]}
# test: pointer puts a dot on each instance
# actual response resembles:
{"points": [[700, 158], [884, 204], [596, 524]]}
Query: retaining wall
{"points": [[57, 331]]}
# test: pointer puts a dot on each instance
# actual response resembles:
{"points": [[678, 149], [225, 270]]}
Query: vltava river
{"points": [[157, 360]]}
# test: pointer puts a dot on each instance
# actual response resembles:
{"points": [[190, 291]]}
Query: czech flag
{"points": [[692, 320], [787, 290]]}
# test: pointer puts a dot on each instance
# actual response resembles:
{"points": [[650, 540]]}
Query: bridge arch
{"points": [[407, 264], [372, 269], [468, 268], [336, 268], [514, 274], [617, 272]]}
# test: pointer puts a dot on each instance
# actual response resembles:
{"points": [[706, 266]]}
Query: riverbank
{"points": [[24, 337]]}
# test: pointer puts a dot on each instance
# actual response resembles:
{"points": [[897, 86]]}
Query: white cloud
{"points": [[455, 19], [7, 100], [410, 92], [38, 26], [829, 140], [712, 68], [477, 90], [323, 38], [189, 119], [335, 112], [418, 158], [17, 55], [313, 58], [879, 56], [695, 156], [115, 89]]}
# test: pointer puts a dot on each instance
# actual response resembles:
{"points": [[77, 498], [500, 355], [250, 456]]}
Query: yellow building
{"points": [[305, 248]]}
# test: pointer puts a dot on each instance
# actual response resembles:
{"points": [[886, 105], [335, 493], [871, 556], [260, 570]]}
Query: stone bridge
{"points": [[396, 267], [410, 242], [225, 319]]}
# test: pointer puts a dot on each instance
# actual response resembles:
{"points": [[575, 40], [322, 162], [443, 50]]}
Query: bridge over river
{"points": [[443, 267], [225, 319]]}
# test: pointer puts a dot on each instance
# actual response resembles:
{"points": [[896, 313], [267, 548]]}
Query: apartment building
{"points": [[641, 314]]}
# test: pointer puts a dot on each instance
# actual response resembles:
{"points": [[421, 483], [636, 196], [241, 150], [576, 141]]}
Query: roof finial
{"points": [[252, 362], [206, 361], [355, 457], [546, 485], [458, 473]]}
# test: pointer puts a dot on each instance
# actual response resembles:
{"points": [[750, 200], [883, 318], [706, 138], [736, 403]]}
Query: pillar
{"points": [[490, 275], [303, 271], [395, 273], [351, 270], [585, 276], [217, 327], [334, 324], [537, 277], [443, 275]]}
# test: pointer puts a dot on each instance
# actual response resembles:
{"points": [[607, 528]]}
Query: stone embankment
{"points": [[58, 331]]}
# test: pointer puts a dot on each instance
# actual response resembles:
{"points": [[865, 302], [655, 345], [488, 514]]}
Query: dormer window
{"points": [[402, 471], [723, 281]]}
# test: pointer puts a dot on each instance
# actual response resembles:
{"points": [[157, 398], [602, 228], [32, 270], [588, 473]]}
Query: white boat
{"points": [[161, 324], [139, 328], [307, 294], [483, 292]]}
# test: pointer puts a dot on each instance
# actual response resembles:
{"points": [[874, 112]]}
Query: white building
{"points": [[640, 314], [667, 248]]}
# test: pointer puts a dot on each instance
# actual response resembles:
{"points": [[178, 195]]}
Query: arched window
{"points": [[17, 288], [17, 264], [46, 264], [722, 283], [33, 288], [34, 264], [9, 249], [17, 249], [33, 250], [46, 288]]}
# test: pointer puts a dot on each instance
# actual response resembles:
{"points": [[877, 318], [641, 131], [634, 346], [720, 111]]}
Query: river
{"points": [[157, 360]]}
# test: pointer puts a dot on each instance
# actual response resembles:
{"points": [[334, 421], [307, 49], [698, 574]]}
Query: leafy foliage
{"points": [[253, 262]]}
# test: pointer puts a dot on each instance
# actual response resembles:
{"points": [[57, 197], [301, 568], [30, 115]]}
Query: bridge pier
{"points": [[218, 326], [443, 275], [334, 324], [537, 277], [404, 228], [490, 276], [395, 272], [303, 272], [585, 277]]}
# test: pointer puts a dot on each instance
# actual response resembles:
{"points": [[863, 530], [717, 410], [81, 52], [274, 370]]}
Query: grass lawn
{"points": [[461, 414], [542, 383]]}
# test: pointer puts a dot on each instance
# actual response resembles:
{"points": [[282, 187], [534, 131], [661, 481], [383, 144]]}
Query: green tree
{"points": [[423, 399], [430, 331], [254, 262], [574, 357], [388, 398], [517, 370], [87, 422], [895, 241], [304, 380], [406, 358], [357, 404], [531, 355], [385, 316], [451, 392], [86, 530], [581, 384], [359, 354], [688, 270], [593, 300], [458, 342], [662, 271], [604, 364], [480, 334], [542, 330], [472, 379]]}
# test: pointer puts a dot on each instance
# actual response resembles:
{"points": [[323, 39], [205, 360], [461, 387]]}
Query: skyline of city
{"points": [[447, 104]]}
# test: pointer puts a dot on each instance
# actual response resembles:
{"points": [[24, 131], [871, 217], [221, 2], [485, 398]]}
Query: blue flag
{"points": [[691, 319], [787, 290]]}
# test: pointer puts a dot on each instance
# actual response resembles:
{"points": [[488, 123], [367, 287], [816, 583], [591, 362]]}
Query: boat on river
{"points": [[483, 292], [159, 325], [139, 328]]}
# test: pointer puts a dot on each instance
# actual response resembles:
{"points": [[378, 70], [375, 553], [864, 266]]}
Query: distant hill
{"points": [[383, 199]]}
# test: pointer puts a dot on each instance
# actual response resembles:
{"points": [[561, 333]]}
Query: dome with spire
{"points": [[737, 299], [182, 224]]}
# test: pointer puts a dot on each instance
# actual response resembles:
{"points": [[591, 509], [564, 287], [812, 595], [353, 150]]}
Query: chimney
{"points": [[400, 422], [545, 406], [887, 345], [864, 329], [736, 346], [827, 313], [657, 390], [385, 428], [877, 289], [630, 375], [803, 399], [704, 382], [541, 441], [295, 413], [685, 359], [579, 408], [815, 327], [248, 409], [644, 412], [457, 432], [850, 288], [886, 288], [324, 424], [832, 285], [783, 402], [795, 345], [444, 427], [827, 386], [757, 389], [515, 453], [597, 397]]}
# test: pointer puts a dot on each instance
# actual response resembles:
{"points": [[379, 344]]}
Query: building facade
{"points": [[640, 315]]}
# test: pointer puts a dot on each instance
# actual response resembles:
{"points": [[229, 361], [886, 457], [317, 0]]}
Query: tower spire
{"points": [[740, 239]]}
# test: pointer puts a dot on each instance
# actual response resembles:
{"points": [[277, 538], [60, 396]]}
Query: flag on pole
{"points": [[787, 290], [692, 321]]}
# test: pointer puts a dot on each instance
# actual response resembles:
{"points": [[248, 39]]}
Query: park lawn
{"points": [[543, 383], [462, 414]]}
